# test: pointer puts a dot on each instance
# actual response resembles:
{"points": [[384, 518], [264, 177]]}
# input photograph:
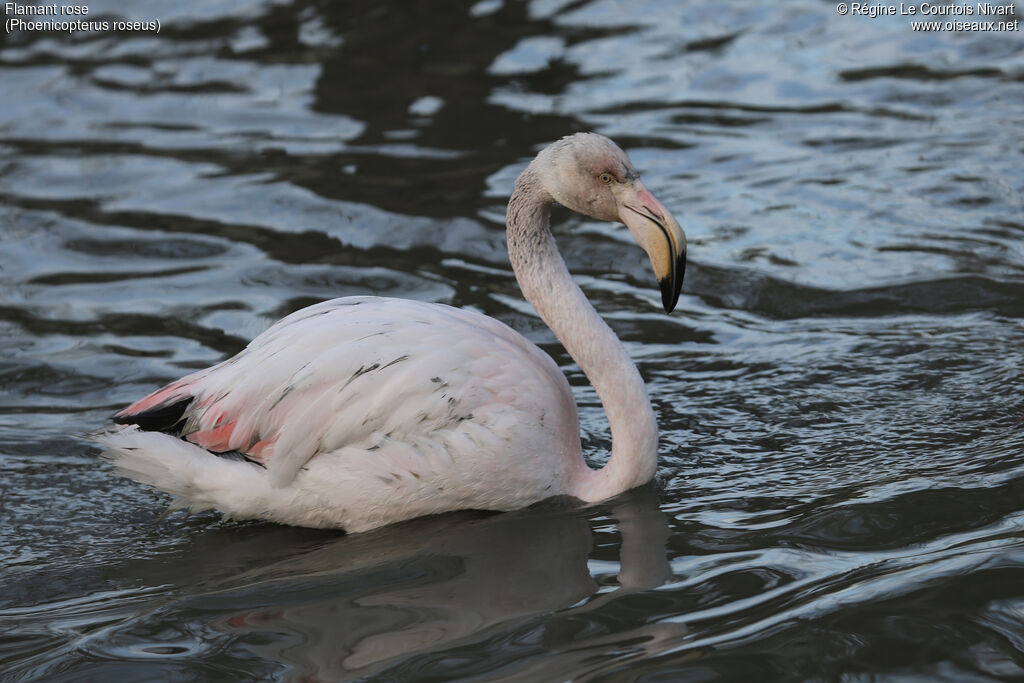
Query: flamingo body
{"points": [[360, 410], [363, 411]]}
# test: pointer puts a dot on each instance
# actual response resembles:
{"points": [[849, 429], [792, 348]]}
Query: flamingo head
{"points": [[590, 174]]}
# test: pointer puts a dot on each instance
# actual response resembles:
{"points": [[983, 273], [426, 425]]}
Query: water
{"points": [[841, 486]]}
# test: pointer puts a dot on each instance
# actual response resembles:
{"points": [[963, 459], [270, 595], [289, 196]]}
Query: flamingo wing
{"points": [[356, 371]]}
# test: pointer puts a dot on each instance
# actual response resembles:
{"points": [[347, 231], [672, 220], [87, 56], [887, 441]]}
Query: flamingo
{"points": [[362, 411]]}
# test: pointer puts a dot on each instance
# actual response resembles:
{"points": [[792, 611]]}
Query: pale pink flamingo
{"points": [[363, 411]]}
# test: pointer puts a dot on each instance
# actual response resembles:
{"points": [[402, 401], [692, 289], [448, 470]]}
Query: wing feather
{"points": [[359, 372]]}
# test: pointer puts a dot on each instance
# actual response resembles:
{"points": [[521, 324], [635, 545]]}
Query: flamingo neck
{"points": [[546, 283]]}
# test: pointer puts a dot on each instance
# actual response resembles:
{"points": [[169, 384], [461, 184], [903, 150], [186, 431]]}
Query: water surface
{"points": [[841, 486]]}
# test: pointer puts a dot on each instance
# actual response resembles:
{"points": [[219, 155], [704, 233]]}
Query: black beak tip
{"points": [[669, 294], [671, 286]]}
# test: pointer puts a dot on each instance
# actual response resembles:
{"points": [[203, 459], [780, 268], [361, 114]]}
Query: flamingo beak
{"points": [[658, 232]]}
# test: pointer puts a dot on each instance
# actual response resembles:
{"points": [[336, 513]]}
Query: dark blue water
{"points": [[841, 487]]}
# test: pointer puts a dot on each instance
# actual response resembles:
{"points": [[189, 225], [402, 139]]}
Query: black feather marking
{"points": [[357, 374], [287, 390], [237, 455], [166, 417], [363, 370], [397, 360]]}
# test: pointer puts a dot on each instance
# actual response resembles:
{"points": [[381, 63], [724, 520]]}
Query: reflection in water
{"points": [[363, 603], [498, 594], [411, 154]]}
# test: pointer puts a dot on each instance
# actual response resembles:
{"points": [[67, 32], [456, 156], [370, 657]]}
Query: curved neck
{"points": [[548, 286]]}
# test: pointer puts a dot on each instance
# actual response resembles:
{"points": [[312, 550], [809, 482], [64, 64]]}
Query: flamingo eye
{"points": [[605, 178]]}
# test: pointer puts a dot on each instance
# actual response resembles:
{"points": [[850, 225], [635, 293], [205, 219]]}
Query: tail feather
{"points": [[162, 417], [199, 480]]}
